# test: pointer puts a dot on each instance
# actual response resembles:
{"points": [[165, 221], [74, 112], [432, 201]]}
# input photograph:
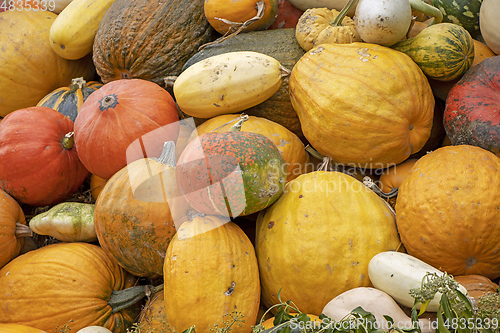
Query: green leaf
{"points": [[189, 330], [441, 324], [424, 306]]}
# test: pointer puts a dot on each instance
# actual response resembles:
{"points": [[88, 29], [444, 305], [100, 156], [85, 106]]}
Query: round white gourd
{"points": [[489, 24], [94, 329]]}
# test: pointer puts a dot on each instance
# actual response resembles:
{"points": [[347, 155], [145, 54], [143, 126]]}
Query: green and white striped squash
{"points": [[462, 12], [443, 51]]}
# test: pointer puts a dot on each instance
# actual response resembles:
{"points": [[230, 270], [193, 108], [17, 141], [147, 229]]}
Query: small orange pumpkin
{"points": [[394, 176], [477, 285], [96, 185], [228, 15]]}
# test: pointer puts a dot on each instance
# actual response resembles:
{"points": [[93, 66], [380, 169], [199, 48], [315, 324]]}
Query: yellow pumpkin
{"points": [[30, 68], [210, 275], [448, 210], [317, 26], [290, 146], [317, 239], [228, 15], [361, 104], [16, 328]]}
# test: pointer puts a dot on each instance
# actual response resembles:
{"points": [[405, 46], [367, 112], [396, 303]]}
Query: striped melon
{"points": [[443, 51], [462, 12]]}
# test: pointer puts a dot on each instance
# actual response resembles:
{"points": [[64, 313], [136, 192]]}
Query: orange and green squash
{"points": [[39, 164], [13, 228], [123, 121], [137, 212], [30, 68], [211, 269], [290, 146], [320, 235], [443, 51], [232, 173], [149, 40], [280, 44], [68, 100], [68, 281], [361, 104], [462, 211]]}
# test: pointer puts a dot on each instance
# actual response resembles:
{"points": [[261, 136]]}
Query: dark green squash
{"points": [[68, 100], [462, 12], [149, 40], [280, 44]]}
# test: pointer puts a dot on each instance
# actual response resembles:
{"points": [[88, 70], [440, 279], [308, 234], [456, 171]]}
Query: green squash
{"points": [[462, 12], [443, 51]]}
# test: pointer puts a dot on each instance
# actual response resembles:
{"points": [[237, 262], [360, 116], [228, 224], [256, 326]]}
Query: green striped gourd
{"points": [[443, 51], [462, 12]]}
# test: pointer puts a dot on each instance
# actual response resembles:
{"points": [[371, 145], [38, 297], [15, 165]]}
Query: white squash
{"points": [[396, 273], [94, 329], [330, 4], [489, 24], [378, 303], [228, 83]]}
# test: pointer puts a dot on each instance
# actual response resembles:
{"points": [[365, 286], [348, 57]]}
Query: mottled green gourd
{"points": [[232, 173], [67, 222], [462, 12]]}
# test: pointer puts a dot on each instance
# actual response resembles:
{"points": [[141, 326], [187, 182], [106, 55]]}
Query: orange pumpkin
{"points": [[153, 318], [68, 281], [16, 328], [477, 285], [395, 175], [96, 185], [13, 228], [269, 322], [228, 15]]}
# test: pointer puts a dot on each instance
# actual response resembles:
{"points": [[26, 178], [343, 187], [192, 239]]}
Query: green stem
{"points": [[370, 184], [69, 140], [122, 299], [337, 21], [422, 7]]}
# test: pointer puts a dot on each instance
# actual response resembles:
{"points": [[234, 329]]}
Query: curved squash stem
{"points": [[69, 140], [371, 185], [78, 83], [422, 7], [337, 21], [23, 230], [167, 155], [237, 127], [227, 123], [237, 27], [122, 299], [313, 152], [169, 81]]}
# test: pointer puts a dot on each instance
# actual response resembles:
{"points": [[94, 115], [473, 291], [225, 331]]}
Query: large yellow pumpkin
{"points": [[448, 211], [290, 146], [211, 275], [316, 240], [30, 68], [362, 104]]}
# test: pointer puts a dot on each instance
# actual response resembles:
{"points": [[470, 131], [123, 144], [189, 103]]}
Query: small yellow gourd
{"points": [[67, 222], [228, 83]]}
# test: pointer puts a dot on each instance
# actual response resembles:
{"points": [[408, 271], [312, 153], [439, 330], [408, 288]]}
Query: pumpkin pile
{"points": [[189, 165]]}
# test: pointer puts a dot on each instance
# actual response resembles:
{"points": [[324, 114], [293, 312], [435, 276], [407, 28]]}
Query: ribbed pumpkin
{"points": [[67, 281], [228, 16], [450, 200], [39, 164], [153, 317], [477, 285], [68, 100], [30, 68], [231, 173], [362, 104], [139, 208], [123, 121], [317, 239], [290, 146], [280, 44], [13, 228], [210, 273], [149, 40], [472, 111]]}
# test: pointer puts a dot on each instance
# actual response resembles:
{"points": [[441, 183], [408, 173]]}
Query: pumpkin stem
{"points": [[374, 187], [69, 140], [22, 230], [169, 81], [425, 8], [284, 72], [236, 27], [337, 21], [167, 155], [122, 299], [237, 127], [78, 83]]}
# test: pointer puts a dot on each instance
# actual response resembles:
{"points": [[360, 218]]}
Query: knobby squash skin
{"points": [[149, 39]]}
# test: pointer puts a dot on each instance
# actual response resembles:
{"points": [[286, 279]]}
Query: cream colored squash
{"points": [[73, 31], [396, 273], [228, 83], [94, 329], [489, 24], [375, 301]]}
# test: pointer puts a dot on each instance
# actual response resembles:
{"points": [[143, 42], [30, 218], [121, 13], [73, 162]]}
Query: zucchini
{"points": [[443, 51]]}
